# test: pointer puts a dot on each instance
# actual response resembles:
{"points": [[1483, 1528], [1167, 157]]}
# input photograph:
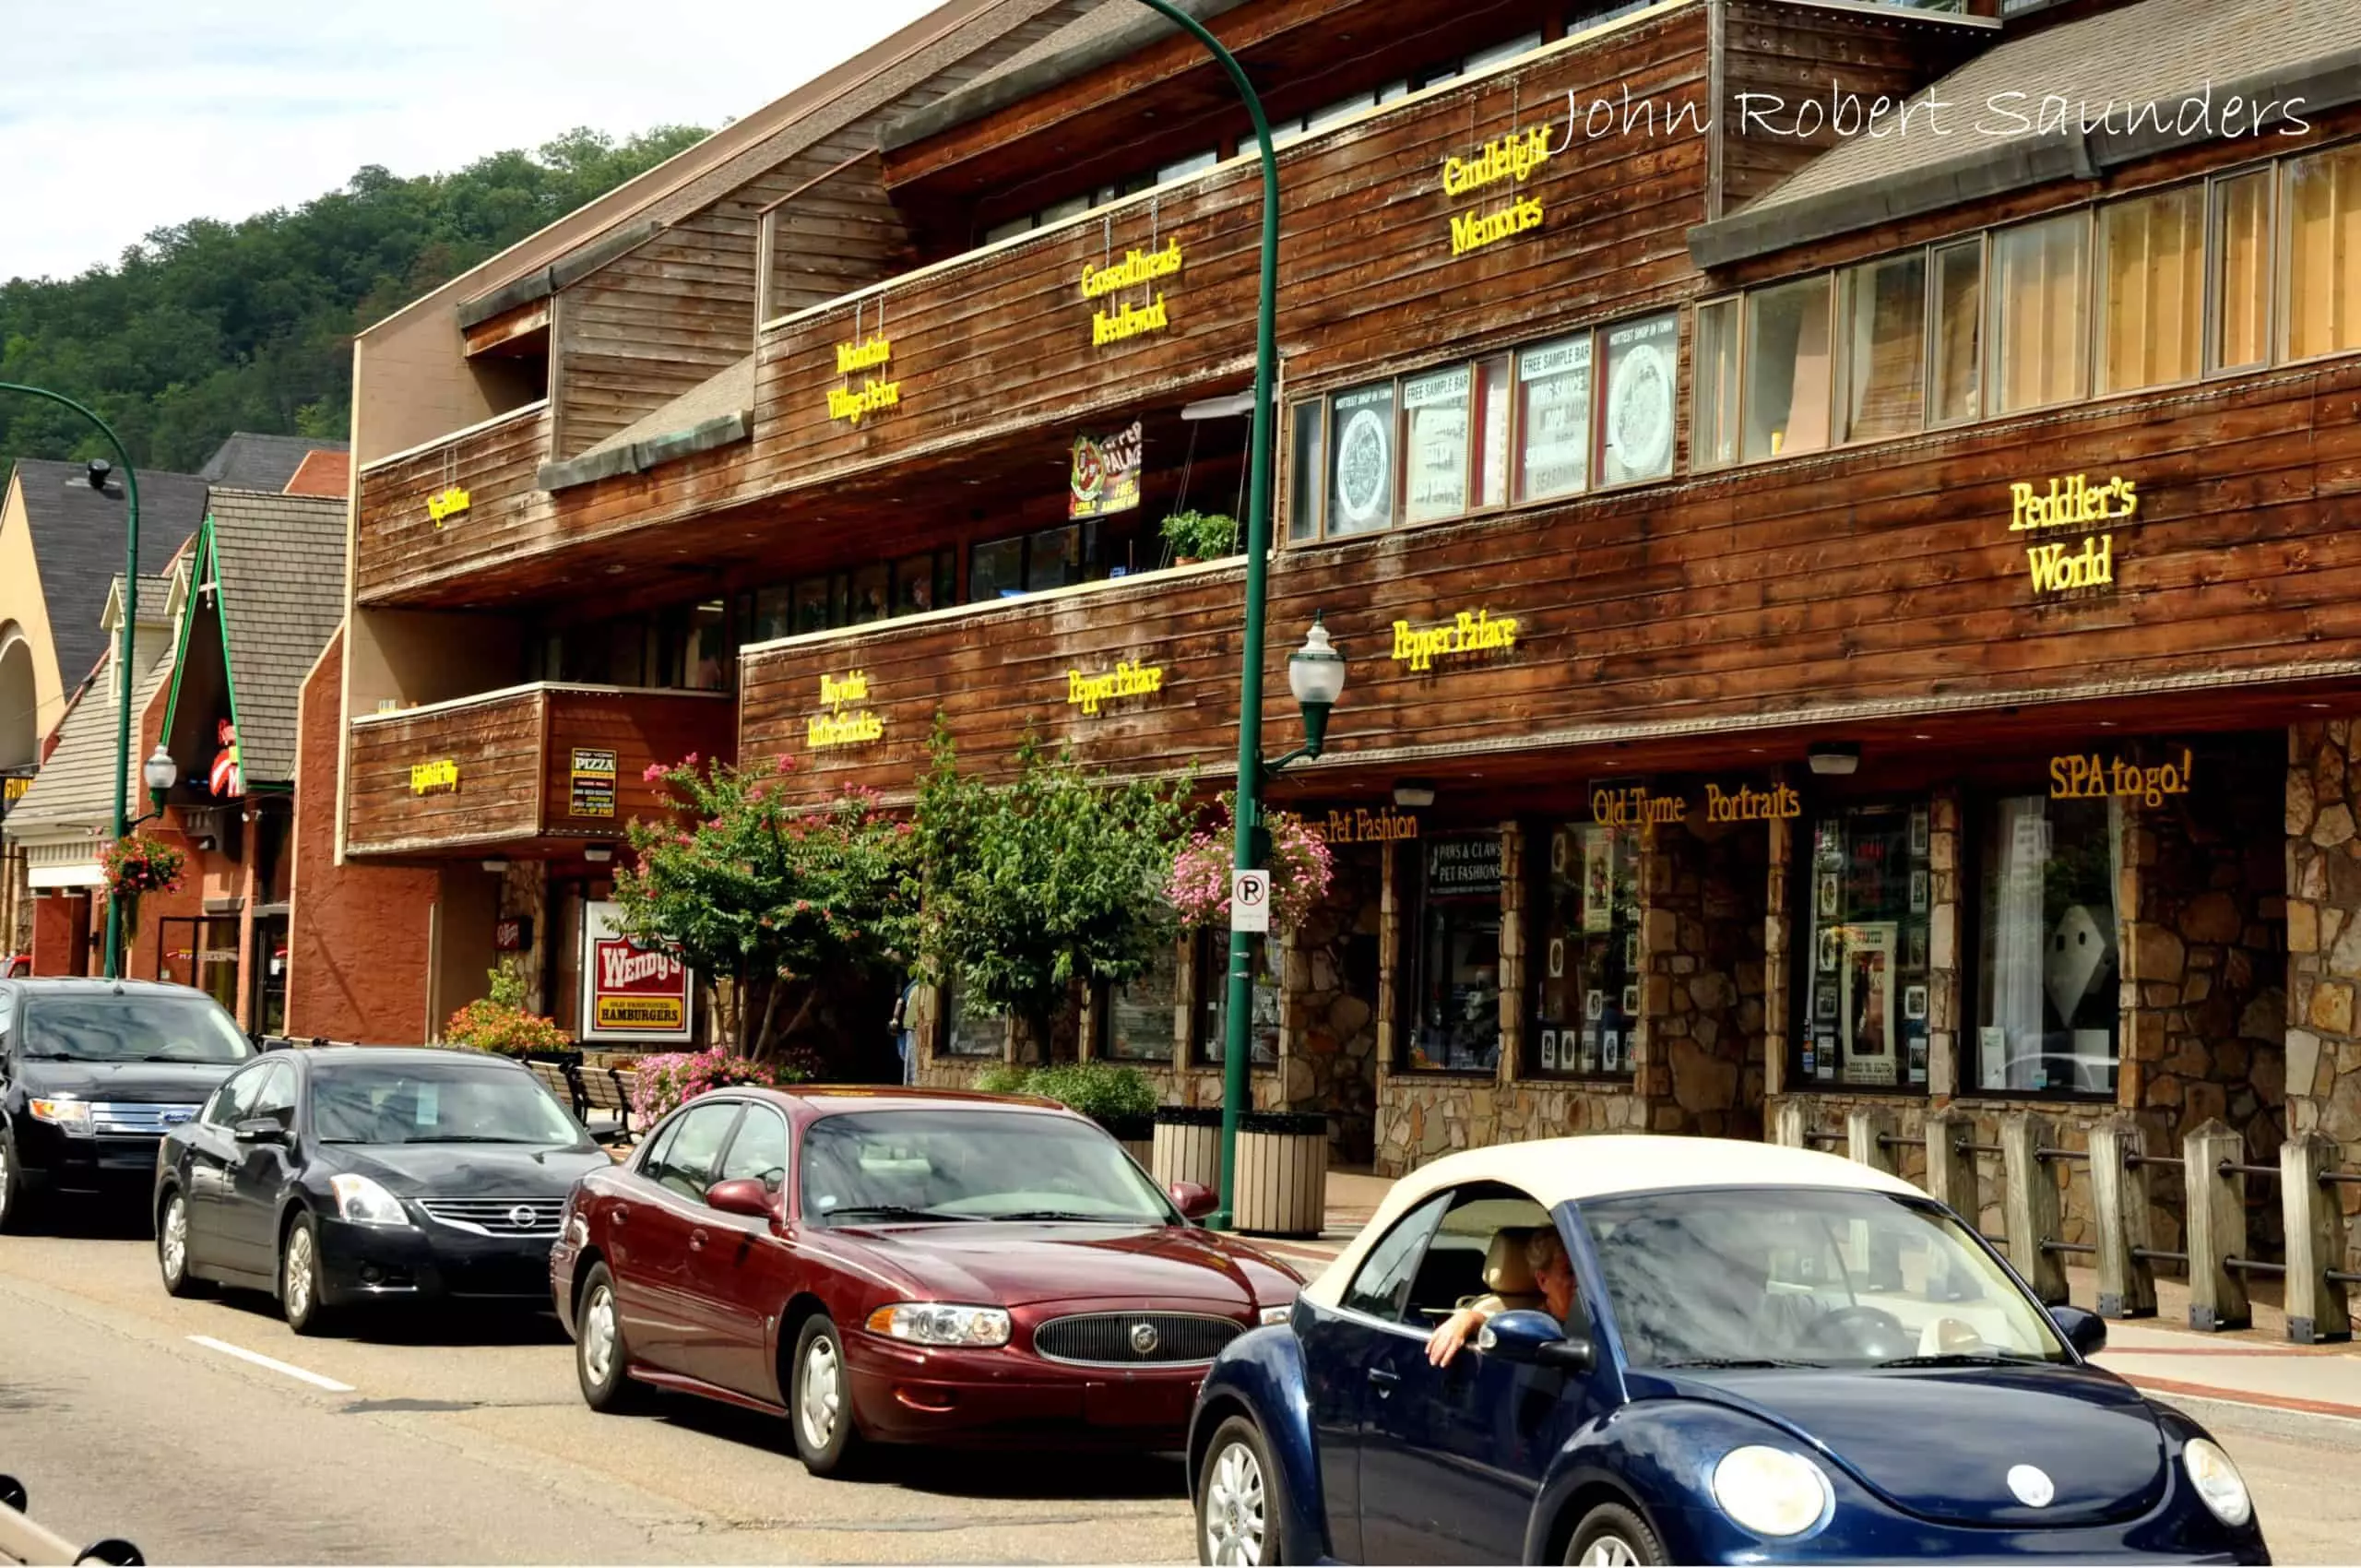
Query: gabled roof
{"points": [[324, 473], [77, 541], [247, 461], [71, 787], [2153, 76], [279, 560]]}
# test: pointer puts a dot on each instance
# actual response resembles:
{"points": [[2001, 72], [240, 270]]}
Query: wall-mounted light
{"points": [[161, 772], [496, 864], [598, 854], [1414, 794], [1835, 758]]}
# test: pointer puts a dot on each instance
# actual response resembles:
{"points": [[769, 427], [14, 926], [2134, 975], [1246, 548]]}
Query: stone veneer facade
{"points": [[2323, 1041]]}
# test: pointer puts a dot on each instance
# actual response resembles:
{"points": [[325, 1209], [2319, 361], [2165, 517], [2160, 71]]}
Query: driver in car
{"points": [[1525, 1270]]}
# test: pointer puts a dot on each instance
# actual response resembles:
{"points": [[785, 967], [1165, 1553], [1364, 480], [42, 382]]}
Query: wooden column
{"points": [[1951, 1165], [2122, 1217], [2317, 1308], [2030, 1205], [2217, 1228]]}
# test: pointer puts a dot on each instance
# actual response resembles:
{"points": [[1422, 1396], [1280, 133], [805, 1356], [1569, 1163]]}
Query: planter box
{"points": [[1187, 1146], [1136, 1134], [1282, 1174]]}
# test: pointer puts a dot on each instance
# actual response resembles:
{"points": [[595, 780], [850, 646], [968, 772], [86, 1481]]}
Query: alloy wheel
{"points": [[300, 1266], [1234, 1509], [822, 1403], [1610, 1551], [599, 1334], [175, 1243]]}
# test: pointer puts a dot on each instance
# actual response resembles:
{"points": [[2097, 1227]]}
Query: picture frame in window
{"points": [[1826, 901], [1631, 1001], [1920, 831], [1914, 948], [1638, 390], [1831, 953], [1918, 892], [1593, 1005], [1364, 444], [1914, 1002], [1611, 1051], [1557, 957], [1824, 1008], [1548, 1051]]}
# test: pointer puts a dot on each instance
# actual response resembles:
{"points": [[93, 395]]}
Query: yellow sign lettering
{"points": [[1089, 693], [1472, 631], [2089, 776], [2055, 571], [434, 778], [856, 406], [869, 355], [446, 504], [1127, 320], [1136, 268], [2071, 503]]}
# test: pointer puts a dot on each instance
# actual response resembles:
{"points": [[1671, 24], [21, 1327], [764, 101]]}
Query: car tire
{"points": [[172, 1249], [1613, 1536], [819, 1400], [299, 1278], [601, 1360], [15, 1193], [1237, 1499]]}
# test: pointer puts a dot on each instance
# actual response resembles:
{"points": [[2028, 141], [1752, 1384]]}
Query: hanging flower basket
{"points": [[1300, 870], [138, 864]]}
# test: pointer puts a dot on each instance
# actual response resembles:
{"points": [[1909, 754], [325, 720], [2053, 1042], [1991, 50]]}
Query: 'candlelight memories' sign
{"points": [[1505, 161]]}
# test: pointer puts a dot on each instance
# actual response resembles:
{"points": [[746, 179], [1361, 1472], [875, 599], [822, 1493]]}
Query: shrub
{"points": [[1098, 1090], [487, 1025], [675, 1078], [1204, 536]]}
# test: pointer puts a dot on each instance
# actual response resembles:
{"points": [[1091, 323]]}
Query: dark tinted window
{"points": [[132, 1027], [274, 1096], [436, 1102], [685, 1163], [1383, 1279], [234, 1099]]}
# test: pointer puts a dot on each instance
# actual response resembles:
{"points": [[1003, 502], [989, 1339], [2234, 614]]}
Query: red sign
{"points": [[630, 993]]}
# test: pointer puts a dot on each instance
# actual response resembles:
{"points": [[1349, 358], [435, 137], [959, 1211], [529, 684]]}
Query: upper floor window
{"points": [[2323, 225]]}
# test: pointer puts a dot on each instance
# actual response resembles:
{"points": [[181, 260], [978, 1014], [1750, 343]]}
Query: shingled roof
{"points": [[72, 787], [77, 541], [247, 461], [2143, 75], [281, 564]]}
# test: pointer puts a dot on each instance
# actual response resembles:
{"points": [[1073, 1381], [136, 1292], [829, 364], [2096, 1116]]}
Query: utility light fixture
{"points": [[1836, 758]]}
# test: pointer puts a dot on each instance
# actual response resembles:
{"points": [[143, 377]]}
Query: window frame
{"points": [[2282, 218], [1991, 354], [2102, 298], [1436, 1205], [2274, 294], [734, 1108], [1802, 962], [1537, 873], [746, 1119]]}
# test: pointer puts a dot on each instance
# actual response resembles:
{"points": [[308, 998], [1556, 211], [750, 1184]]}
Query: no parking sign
{"points": [[1250, 900]]}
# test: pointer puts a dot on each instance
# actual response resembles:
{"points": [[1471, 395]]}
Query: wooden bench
{"points": [[603, 1089]]}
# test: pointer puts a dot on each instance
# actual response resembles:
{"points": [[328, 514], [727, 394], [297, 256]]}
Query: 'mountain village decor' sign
{"points": [[875, 392]]}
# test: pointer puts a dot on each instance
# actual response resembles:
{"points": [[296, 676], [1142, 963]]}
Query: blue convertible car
{"points": [[1766, 1355]]}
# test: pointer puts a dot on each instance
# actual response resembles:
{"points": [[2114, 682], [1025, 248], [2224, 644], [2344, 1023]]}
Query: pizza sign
{"points": [[1106, 474], [630, 993]]}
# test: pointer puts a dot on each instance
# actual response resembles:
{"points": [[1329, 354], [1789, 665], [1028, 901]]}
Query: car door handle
{"points": [[615, 1217], [697, 1240], [1382, 1381]]}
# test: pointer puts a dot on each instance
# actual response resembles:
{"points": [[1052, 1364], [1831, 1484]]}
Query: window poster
{"points": [[1598, 882], [1492, 476], [1436, 477], [1548, 1051], [1556, 390], [1639, 418], [1866, 1006], [1363, 491]]}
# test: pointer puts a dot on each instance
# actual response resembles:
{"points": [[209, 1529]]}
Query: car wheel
{"points": [[1613, 1536], [819, 1405], [172, 1249], [299, 1278], [1237, 1499], [14, 1199], [600, 1360]]}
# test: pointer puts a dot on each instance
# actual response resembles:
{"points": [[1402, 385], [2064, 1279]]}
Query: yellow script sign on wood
{"points": [[1473, 631]]}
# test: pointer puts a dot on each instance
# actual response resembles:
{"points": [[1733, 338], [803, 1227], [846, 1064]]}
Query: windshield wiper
{"points": [[1964, 1358], [894, 1211], [1728, 1363], [475, 1138], [1056, 1214]]}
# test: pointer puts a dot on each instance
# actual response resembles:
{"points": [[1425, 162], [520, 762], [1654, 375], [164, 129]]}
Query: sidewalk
{"points": [[2255, 1366]]}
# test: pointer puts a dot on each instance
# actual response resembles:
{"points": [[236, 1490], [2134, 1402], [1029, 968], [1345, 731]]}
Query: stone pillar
{"points": [[1514, 997], [1787, 1125], [1777, 972], [2030, 1205], [1865, 1133], [2120, 1213], [2217, 1228], [1946, 1004], [2323, 868]]}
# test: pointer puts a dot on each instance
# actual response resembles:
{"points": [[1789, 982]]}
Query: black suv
{"points": [[92, 1074]]}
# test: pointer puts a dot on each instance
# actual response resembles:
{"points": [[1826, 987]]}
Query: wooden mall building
{"points": [[1835, 511]]}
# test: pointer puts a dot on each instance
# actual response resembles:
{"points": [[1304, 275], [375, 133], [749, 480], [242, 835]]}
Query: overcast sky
{"points": [[122, 116]]}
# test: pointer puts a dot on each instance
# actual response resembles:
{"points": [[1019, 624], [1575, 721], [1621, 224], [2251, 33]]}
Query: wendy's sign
{"points": [[630, 993]]}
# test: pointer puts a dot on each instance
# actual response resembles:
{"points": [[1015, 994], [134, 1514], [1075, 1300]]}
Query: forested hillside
{"points": [[213, 326]]}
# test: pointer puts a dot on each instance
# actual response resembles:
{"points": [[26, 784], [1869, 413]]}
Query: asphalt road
{"points": [[460, 1441]]}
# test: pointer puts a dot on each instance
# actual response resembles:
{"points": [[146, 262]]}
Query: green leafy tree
{"points": [[1030, 890], [776, 900]]}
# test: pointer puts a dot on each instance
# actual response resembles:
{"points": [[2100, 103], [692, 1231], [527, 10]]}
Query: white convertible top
{"points": [[1555, 1170]]}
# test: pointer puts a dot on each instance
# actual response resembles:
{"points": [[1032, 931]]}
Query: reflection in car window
{"points": [[687, 1159], [1384, 1279], [273, 1097], [132, 1028], [436, 1103], [232, 1099], [759, 1150], [1817, 1276], [980, 1164]]}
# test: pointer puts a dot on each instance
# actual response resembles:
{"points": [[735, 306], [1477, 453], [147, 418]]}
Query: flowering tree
{"points": [[775, 898], [1300, 865], [659, 1083], [1031, 888]]}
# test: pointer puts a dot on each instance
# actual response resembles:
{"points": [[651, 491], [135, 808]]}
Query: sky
{"points": [[122, 116]]}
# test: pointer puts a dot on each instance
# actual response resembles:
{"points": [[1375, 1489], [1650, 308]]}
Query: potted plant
{"points": [[1199, 536]]}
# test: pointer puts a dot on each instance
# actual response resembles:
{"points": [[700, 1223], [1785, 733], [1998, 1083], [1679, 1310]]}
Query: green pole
{"points": [[126, 677], [1237, 1083]]}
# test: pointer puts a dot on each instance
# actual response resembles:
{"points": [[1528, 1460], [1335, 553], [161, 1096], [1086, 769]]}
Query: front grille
{"points": [[497, 1217], [129, 1119], [1134, 1340]]}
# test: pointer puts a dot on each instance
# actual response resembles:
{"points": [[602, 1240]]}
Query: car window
{"points": [[132, 1027], [687, 1161], [1382, 1281], [1452, 1272], [463, 1101], [231, 1102], [275, 1096], [759, 1150], [977, 1163]]}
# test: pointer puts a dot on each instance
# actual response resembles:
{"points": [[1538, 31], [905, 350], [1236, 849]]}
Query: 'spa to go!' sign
{"points": [[2090, 777]]}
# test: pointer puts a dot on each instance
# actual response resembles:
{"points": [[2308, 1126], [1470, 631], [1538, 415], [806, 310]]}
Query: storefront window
{"points": [[872, 594], [1435, 479], [2047, 1006], [1139, 1012], [1885, 326], [968, 1032], [2242, 271], [1454, 1019], [2324, 253], [1636, 437], [1787, 369], [1866, 986], [1491, 432], [2041, 274], [1212, 1001], [2151, 269], [1361, 497], [996, 570], [1586, 953], [1553, 385]]}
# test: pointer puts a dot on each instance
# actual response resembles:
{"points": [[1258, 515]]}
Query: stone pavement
{"points": [[2256, 1367]]}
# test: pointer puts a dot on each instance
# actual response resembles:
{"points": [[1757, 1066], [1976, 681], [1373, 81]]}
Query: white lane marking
{"points": [[258, 1358]]}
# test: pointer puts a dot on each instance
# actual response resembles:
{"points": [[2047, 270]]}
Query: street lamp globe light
{"points": [[161, 772], [1316, 676]]}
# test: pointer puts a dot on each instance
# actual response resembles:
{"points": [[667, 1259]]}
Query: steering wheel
{"points": [[1870, 1332]]}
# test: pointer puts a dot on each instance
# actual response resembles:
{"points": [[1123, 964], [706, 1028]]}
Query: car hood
{"points": [[468, 1171], [143, 1082], [1943, 1443], [1012, 1265]]}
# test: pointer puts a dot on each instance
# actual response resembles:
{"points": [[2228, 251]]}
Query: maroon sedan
{"points": [[903, 1267]]}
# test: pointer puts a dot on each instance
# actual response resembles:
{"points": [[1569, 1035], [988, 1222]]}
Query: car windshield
{"points": [[862, 1167], [132, 1027], [1813, 1276], [433, 1104]]}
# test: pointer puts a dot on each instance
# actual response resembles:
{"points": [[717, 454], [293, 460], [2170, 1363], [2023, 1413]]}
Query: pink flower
{"points": [[689, 760], [654, 771], [783, 763]]}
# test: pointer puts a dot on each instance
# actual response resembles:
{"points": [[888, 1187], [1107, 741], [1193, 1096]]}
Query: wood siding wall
{"points": [[1883, 578], [656, 323], [497, 464], [833, 230], [640, 728]]}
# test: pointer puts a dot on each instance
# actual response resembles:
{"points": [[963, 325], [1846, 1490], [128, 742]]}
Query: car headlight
{"points": [[1771, 1492], [363, 1202], [935, 1322], [1270, 1315], [2217, 1482], [70, 1115]]}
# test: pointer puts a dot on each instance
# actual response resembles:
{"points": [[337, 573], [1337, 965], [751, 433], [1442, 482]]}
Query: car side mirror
{"points": [[259, 1130], [1537, 1339], [2086, 1331], [742, 1195], [1194, 1199]]}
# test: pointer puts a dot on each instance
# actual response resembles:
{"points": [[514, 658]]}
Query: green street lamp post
{"points": [[125, 678]]}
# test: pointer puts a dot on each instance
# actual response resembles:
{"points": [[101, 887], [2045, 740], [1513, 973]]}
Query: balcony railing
{"points": [[428, 510], [537, 769]]}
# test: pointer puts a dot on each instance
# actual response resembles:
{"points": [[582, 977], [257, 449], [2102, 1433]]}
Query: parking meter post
{"points": [[2031, 1206], [2316, 1305], [2120, 1213], [2217, 1228], [1951, 1165]]}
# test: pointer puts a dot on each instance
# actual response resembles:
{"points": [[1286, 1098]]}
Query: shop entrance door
{"points": [[270, 983], [201, 951]]}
